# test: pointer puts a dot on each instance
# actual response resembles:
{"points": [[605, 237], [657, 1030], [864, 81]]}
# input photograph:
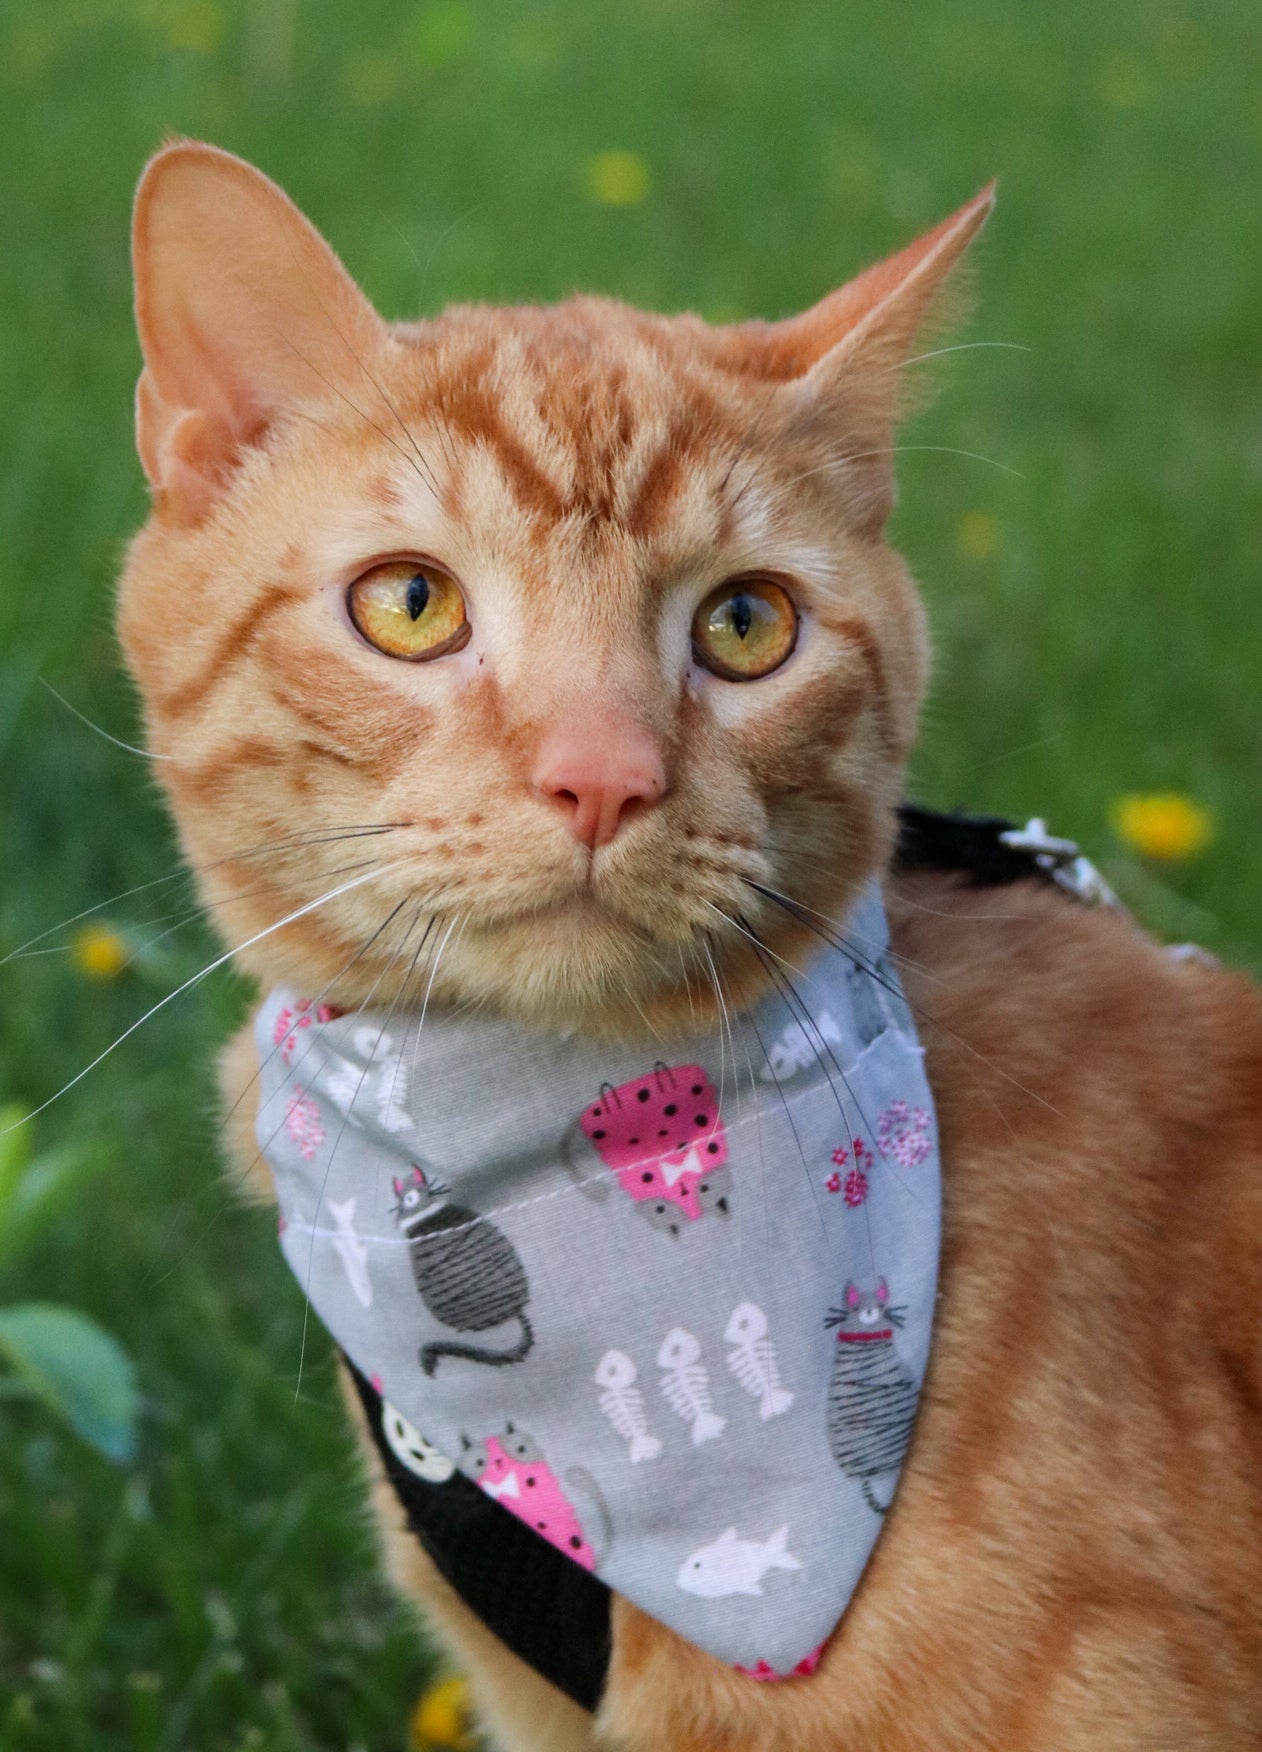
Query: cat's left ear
{"points": [[840, 362], [246, 318]]}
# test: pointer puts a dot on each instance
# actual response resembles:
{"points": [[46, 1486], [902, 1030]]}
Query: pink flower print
{"points": [[530, 1490], [302, 1121], [291, 1019], [902, 1133], [855, 1184], [661, 1134]]}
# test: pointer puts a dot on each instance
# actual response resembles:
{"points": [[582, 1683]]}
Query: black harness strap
{"points": [[543, 1606]]}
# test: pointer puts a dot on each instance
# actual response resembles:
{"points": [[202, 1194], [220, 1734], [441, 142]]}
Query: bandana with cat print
{"points": [[669, 1305]]}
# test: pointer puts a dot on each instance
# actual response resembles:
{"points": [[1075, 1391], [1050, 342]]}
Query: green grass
{"points": [[220, 1592]]}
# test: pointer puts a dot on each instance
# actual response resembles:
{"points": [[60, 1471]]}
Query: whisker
{"points": [[725, 1022], [433, 975], [320, 995], [963, 347], [799, 1008], [196, 979], [298, 843], [898, 450], [144, 753], [238, 1176], [341, 1133], [788, 1110], [199, 912], [839, 943]]}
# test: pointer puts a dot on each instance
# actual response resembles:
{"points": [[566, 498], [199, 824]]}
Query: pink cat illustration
{"points": [[513, 1472], [664, 1138]]}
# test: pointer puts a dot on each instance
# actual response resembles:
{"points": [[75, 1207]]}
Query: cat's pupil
{"points": [[742, 615], [418, 596]]}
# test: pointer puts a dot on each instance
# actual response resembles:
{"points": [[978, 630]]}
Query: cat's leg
{"points": [[520, 1711]]}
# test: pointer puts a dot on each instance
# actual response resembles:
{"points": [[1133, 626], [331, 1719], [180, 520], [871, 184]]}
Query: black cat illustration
{"points": [[871, 1396], [467, 1272]]}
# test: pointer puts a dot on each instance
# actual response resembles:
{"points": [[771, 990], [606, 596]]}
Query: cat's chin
{"points": [[576, 962]]}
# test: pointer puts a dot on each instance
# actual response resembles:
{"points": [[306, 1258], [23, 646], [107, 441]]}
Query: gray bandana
{"points": [[670, 1306]]}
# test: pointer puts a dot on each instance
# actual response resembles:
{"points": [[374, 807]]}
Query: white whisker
{"points": [[144, 753], [196, 979]]}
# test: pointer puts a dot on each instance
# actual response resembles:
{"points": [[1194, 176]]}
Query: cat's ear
{"points": [[245, 316], [852, 1296], [841, 361], [882, 1293]]}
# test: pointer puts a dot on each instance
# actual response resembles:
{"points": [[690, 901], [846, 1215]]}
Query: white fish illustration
{"points": [[686, 1386], [799, 1047], [732, 1565], [623, 1404], [343, 1083], [392, 1091], [386, 1063], [383, 1078], [351, 1250], [752, 1360]]}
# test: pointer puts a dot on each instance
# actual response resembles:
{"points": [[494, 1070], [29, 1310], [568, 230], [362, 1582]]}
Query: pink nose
{"points": [[599, 772]]}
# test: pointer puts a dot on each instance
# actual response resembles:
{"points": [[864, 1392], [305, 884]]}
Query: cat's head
{"points": [[864, 1311], [516, 643], [415, 1194]]}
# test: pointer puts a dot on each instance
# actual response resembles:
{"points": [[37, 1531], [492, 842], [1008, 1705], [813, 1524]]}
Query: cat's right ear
{"points": [[245, 317]]}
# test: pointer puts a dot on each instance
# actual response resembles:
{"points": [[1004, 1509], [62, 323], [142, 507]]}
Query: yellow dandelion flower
{"points": [[99, 952], [1163, 825], [977, 535], [443, 1719], [618, 179]]}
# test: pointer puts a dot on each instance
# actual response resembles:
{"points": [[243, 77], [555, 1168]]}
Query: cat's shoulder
{"points": [[1030, 987]]}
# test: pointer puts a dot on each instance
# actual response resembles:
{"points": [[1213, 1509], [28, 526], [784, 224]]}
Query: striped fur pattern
{"points": [[1074, 1560], [588, 473]]}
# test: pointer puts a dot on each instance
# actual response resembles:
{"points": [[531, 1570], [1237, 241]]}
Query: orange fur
{"points": [[1075, 1553]]}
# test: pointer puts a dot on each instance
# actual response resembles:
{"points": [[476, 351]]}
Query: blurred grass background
{"points": [[1098, 616]]}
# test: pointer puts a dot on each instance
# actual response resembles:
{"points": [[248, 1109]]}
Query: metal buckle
{"points": [[1062, 861]]}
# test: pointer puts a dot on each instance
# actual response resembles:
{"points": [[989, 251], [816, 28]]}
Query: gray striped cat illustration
{"points": [[871, 1395], [467, 1271]]}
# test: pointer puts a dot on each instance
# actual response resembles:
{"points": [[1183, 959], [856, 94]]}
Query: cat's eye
{"points": [[410, 609], [745, 629]]}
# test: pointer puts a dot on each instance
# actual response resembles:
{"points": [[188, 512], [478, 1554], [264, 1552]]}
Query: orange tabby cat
{"points": [[578, 789]]}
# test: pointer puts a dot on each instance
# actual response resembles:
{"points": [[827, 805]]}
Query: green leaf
{"points": [[77, 1369], [37, 1190]]}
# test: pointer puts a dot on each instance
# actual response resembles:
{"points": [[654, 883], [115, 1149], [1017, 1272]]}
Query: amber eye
{"points": [[745, 629], [409, 608]]}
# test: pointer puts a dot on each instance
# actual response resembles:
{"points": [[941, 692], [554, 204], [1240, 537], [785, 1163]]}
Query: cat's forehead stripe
{"points": [[245, 627]]}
